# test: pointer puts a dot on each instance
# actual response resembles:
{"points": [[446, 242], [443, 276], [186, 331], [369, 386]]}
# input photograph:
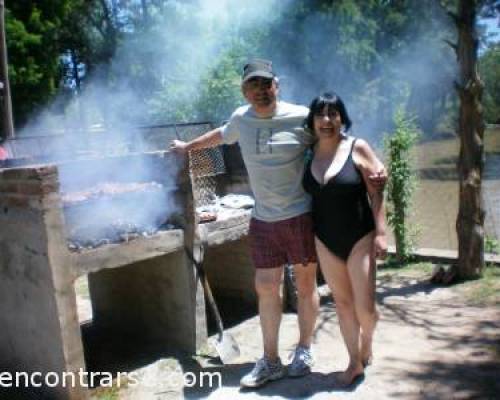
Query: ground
{"points": [[432, 342]]}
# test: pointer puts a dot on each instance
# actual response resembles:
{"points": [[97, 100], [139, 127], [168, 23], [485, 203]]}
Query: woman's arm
{"points": [[369, 164]]}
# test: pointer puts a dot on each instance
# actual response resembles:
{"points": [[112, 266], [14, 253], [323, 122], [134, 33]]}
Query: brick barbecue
{"points": [[138, 273]]}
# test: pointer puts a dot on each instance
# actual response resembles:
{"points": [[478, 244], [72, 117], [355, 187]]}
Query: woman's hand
{"points": [[379, 179], [380, 246]]}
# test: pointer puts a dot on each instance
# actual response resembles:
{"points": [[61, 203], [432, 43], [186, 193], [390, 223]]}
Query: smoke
{"points": [[326, 58], [157, 67], [116, 198], [157, 73]]}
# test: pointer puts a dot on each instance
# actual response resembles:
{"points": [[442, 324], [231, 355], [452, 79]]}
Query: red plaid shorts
{"points": [[274, 244]]}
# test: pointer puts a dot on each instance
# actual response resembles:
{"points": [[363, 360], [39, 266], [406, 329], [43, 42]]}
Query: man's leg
{"points": [[307, 310], [269, 367], [267, 285], [308, 301]]}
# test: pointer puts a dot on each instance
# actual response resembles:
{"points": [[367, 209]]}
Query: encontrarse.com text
{"points": [[105, 379]]}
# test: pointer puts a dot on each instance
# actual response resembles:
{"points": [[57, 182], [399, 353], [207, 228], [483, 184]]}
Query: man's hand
{"points": [[379, 179], [178, 146], [207, 140]]}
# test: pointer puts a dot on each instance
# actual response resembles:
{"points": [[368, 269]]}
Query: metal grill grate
{"points": [[204, 165]]}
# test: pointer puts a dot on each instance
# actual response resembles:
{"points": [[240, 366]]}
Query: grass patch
{"points": [[485, 290], [403, 273], [482, 291], [393, 267], [106, 394], [110, 393]]}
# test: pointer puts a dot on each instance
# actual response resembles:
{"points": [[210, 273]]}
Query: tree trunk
{"points": [[6, 102], [470, 219], [401, 235]]}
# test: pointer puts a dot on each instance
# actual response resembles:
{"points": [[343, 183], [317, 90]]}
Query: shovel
{"points": [[225, 344]]}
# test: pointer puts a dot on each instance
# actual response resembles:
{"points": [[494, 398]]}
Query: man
{"points": [[273, 145]]}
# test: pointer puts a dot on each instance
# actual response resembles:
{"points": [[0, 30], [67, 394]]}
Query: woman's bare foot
{"points": [[347, 377], [366, 351], [366, 344], [368, 361]]}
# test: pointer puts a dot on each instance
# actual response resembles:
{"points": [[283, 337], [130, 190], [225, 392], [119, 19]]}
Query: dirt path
{"points": [[429, 345]]}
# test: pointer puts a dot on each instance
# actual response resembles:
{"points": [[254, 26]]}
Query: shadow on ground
{"points": [[459, 356], [457, 380], [289, 388], [466, 359]]}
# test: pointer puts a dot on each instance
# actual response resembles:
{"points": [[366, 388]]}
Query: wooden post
{"points": [[7, 120]]}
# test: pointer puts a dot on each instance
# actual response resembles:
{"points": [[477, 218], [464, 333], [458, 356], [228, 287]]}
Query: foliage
{"points": [[491, 245], [374, 53], [207, 89], [402, 180], [366, 37], [391, 264], [220, 90], [366, 50], [489, 70], [489, 8], [310, 25], [32, 34]]}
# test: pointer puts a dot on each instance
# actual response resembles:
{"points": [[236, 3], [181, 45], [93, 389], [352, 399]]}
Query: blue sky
{"points": [[492, 27]]}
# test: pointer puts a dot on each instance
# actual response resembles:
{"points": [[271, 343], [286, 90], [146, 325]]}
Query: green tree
{"points": [[203, 84], [49, 40], [32, 31], [220, 90], [368, 51], [489, 70], [402, 181], [333, 42]]}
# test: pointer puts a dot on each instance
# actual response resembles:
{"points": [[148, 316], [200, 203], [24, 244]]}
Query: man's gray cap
{"points": [[257, 68]]}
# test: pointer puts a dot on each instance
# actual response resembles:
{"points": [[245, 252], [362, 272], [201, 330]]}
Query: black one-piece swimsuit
{"points": [[341, 212]]}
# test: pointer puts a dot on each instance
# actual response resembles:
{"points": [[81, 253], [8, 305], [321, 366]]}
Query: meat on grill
{"points": [[109, 189]]}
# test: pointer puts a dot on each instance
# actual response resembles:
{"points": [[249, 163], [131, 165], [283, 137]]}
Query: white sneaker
{"points": [[263, 371], [301, 363]]}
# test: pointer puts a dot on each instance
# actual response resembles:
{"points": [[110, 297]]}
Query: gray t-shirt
{"points": [[273, 150]]}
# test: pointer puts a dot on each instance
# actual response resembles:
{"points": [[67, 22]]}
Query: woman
{"points": [[349, 224]]}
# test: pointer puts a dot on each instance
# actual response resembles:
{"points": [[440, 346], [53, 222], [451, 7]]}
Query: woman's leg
{"points": [[337, 277], [362, 272]]}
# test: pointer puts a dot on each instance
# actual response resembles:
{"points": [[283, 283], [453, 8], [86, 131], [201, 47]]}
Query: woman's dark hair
{"points": [[332, 100]]}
